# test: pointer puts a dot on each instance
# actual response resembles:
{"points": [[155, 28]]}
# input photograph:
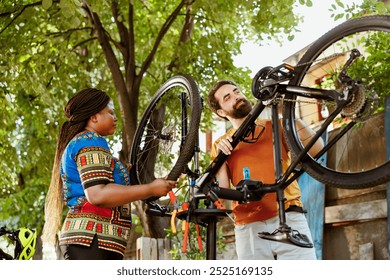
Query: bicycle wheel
{"points": [[357, 155], [165, 137]]}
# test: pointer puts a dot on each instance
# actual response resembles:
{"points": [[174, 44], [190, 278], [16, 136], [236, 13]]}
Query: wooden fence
{"points": [[153, 249]]}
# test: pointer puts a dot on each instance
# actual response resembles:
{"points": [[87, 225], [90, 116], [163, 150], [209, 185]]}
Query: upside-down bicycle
{"points": [[343, 76]]}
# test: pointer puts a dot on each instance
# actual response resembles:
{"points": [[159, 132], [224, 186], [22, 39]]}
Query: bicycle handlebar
{"points": [[228, 194], [246, 190]]}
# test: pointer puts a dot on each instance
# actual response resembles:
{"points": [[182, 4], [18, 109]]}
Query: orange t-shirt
{"points": [[259, 158]]}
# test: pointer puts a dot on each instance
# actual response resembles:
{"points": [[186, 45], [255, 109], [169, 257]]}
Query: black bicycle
{"points": [[341, 83], [25, 240]]}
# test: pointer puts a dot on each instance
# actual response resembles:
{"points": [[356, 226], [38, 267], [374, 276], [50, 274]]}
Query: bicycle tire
{"points": [[166, 124], [347, 173]]}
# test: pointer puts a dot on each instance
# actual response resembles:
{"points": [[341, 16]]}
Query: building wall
{"points": [[356, 220]]}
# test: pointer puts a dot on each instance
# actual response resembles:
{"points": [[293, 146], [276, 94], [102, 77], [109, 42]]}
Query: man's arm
{"points": [[222, 145], [223, 177], [305, 134]]}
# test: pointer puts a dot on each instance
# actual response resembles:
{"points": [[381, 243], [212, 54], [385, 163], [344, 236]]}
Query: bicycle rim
{"points": [[358, 158], [167, 132]]}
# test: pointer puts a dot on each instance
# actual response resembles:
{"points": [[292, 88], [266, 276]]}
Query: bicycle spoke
{"points": [[160, 147], [351, 60]]}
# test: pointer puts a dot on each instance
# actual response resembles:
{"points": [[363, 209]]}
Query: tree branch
{"points": [[185, 35], [122, 30], [60, 33], [188, 25], [112, 62], [127, 44], [83, 42], [164, 29], [104, 41], [19, 11], [130, 66]]}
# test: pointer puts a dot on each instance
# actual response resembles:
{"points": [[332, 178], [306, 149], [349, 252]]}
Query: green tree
{"points": [[50, 49]]}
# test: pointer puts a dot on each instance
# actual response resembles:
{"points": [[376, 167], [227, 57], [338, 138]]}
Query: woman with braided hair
{"points": [[92, 183]]}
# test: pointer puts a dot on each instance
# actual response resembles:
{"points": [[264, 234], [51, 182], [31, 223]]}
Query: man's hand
{"points": [[225, 145]]}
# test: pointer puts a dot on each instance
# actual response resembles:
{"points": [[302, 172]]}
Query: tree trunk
{"points": [[128, 84]]}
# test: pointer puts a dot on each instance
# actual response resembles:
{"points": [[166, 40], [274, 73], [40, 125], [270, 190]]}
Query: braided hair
{"points": [[78, 111]]}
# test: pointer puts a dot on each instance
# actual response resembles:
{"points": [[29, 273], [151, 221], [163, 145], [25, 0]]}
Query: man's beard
{"points": [[241, 110]]}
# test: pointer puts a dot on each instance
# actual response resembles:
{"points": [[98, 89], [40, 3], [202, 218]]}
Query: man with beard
{"points": [[256, 153]]}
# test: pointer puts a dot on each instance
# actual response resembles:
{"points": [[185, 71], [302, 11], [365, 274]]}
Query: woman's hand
{"points": [[160, 186], [128, 167]]}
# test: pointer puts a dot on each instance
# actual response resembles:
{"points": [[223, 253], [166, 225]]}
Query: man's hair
{"points": [[212, 101]]}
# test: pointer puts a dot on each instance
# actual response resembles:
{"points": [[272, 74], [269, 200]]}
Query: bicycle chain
{"points": [[278, 99], [297, 101], [318, 60], [304, 64]]}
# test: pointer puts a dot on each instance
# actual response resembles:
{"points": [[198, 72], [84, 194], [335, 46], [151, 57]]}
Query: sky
{"points": [[317, 21]]}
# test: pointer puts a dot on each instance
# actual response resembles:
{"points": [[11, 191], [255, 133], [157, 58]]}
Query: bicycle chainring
{"points": [[260, 90]]}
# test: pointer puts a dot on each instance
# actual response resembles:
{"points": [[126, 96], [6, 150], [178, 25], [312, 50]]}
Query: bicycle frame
{"points": [[274, 87], [204, 186], [282, 180], [359, 96], [206, 183]]}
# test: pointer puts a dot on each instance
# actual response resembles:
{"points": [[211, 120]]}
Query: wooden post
{"points": [[387, 136], [146, 248], [164, 246], [153, 249], [366, 251]]}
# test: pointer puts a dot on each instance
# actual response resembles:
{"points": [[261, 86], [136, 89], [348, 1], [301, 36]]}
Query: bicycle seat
{"points": [[291, 237]]}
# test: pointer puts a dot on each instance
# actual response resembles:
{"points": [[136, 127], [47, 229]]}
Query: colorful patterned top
{"points": [[87, 161]]}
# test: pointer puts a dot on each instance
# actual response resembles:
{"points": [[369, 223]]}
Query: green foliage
{"points": [[24, 208], [354, 10], [49, 50], [373, 67]]}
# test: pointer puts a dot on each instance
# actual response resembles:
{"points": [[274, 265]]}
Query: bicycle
{"points": [[340, 74], [25, 243]]}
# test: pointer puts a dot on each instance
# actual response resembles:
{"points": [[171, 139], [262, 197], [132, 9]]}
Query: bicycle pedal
{"points": [[289, 237], [275, 236], [299, 239]]}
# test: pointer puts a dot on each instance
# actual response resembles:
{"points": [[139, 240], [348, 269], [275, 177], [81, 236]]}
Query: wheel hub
{"points": [[167, 137]]}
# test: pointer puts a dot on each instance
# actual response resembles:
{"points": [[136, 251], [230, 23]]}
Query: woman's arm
{"points": [[112, 195]]}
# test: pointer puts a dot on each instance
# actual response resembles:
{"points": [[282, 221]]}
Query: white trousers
{"points": [[251, 247]]}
